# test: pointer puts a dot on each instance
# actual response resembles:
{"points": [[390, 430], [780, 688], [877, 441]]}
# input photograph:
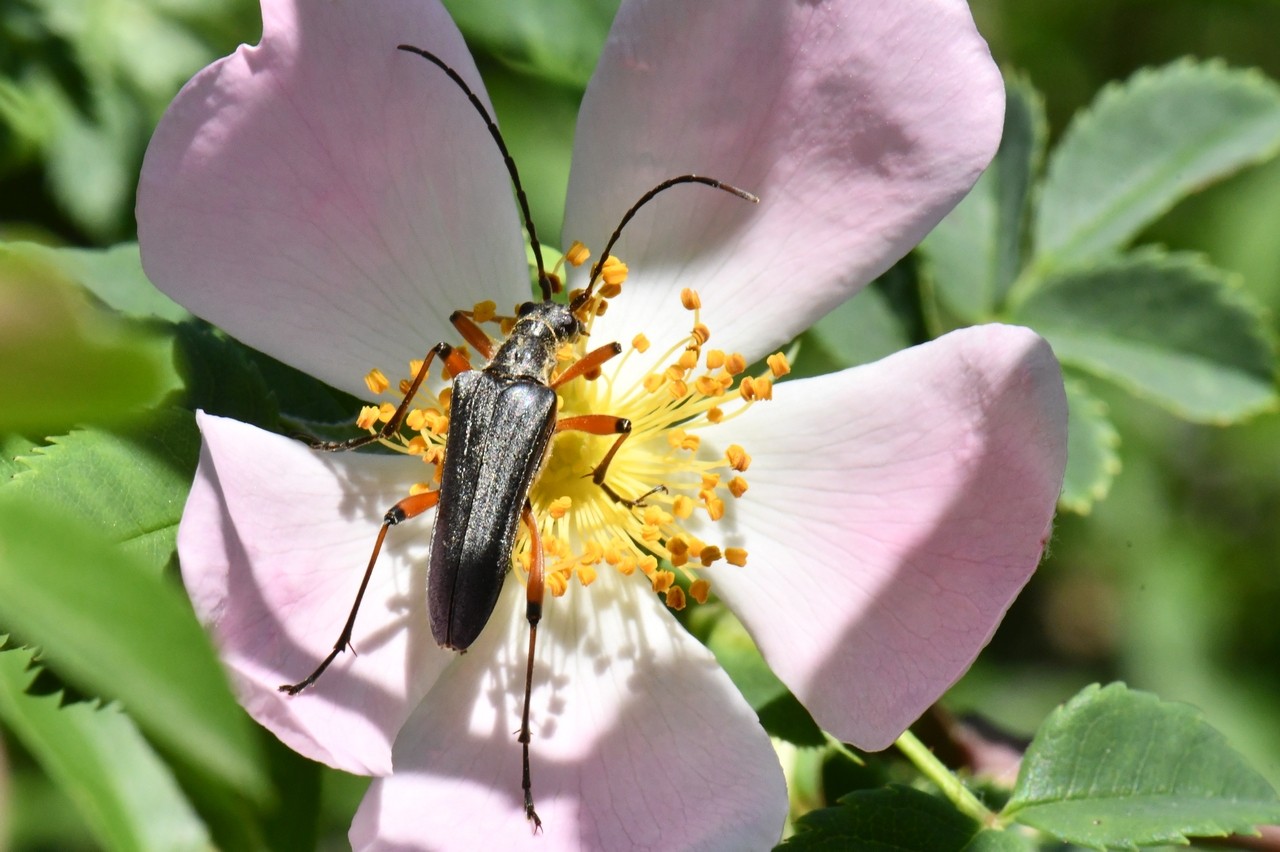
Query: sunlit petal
{"points": [[894, 512], [325, 186], [272, 545], [639, 740], [859, 125]]}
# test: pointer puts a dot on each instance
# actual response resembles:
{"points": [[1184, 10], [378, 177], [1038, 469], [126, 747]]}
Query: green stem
{"points": [[932, 768]]}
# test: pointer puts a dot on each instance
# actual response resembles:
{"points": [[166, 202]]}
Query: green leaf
{"points": [[63, 360], [558, 41], [537, 120], [1120, 768], [1145, 144], [130, 485], [781, 714], [125, 792], [975, 254], [891, 819], [861, 330], [1092, 444], [1167, 327], [11, 448], [114, 275], [93, 80], [221, 377], [113, 628]]}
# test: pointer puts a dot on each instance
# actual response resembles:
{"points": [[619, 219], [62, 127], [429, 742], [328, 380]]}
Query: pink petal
{"points": [[894, 512], [325, 188], [273, 542], [859, 125], [640, 741]]}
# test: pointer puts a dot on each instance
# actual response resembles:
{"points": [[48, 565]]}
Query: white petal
{"points": [[894, 512], [859, 125], [273, 542], [330, 199], [639, 740]]}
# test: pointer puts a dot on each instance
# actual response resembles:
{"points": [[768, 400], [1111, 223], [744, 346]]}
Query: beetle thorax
{"points": [[540, 330]]}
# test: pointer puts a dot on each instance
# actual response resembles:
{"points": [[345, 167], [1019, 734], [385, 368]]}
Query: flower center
{"points": [[664, 471]]}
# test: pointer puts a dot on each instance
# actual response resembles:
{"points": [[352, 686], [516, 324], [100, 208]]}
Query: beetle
{"points": [[502, 420]]}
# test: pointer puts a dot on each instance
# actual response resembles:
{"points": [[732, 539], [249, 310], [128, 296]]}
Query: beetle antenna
{"points": [[585, 295], [544, 280]]}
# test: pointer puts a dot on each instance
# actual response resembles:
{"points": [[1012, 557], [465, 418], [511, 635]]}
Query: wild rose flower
{"points": [[330, 200]]}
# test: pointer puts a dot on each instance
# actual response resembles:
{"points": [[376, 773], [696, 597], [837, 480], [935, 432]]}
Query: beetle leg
{"points": [[409, 507], [533, 611], [472, 333], [606, 424], [591, 361], [454, 361]]}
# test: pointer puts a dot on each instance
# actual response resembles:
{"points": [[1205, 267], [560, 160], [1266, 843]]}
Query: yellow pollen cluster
{"points": [[667, 473]]}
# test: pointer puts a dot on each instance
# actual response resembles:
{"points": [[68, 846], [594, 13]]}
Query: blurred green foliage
{"points": [[1170, 582]]}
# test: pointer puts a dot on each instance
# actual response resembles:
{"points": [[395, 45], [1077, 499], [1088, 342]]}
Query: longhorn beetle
{"points": [[502, 418]]}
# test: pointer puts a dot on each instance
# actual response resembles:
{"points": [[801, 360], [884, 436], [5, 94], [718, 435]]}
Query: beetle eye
{"points": [[525, 308]]}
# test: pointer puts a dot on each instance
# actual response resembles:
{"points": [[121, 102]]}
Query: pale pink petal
{"points": [[894, 512], [640, 741], [858, 124], [273, 542], [328, 198]]}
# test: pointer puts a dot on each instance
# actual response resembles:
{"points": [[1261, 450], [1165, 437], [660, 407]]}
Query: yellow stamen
{"points": [[577, 254], [368, 419], [613, 274], [778, 364], [559, 507], [738, 458], [715, 508], [675, 598], [679, 392], [376, 381], [708, 386]]}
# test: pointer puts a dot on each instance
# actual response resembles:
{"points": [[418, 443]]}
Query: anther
{"points": [[376, 381], [778, 364], [737, 458], [577, 254]]}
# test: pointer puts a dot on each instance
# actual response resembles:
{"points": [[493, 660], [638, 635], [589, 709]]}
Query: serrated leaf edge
{"points": [[1147, 79], [1110, 438], [1232, 293]]}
